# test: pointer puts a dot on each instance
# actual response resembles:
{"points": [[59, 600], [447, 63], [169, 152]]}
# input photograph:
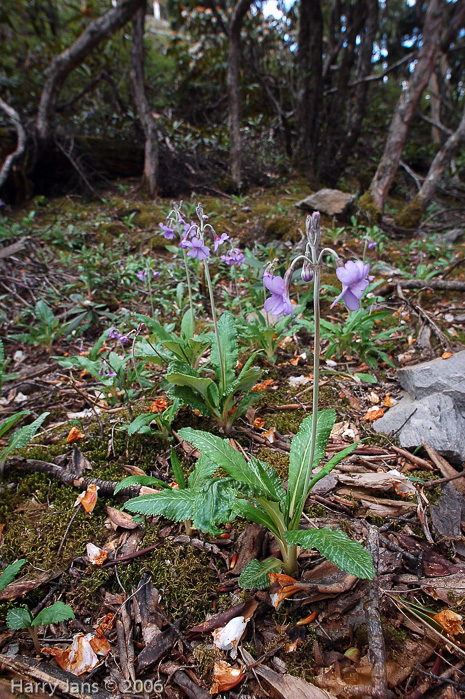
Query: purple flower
{"points": [[197, 248], [167, 231], [155, 274], [279, 302], [372, 245], [123, 339], [219, 241], [233, 257], [307, 272], [113, 334], [190, 230], [141, 274], [355, 279]]}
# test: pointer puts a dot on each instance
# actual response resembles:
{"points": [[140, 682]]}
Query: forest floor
{"points": [[151, 607]]}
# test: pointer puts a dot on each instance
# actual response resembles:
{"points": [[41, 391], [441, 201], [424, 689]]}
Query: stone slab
{"points": [[332, 202]]}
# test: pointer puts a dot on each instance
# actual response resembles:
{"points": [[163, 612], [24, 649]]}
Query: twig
{"points": [[130, 556], [417, 460], [376, 646], [62, 543]]}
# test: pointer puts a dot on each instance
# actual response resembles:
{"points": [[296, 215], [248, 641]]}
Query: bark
{"points": [[240, 10], [358, 102], [440, 162], [410, 97], [142, 104], [100, 29], [309, 86], [21, 141]]}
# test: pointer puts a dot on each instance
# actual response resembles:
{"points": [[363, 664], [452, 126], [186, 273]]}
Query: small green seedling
{"points": [[10, 573], [21, 618]]}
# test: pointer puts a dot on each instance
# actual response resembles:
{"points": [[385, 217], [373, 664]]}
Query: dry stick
{"points": [[62, 543], [417, 460], [130, 556], [376, 646]]}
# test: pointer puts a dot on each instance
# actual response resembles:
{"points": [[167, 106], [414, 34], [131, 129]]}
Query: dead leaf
{"points": [[74, 434], [269, 434], [95, 555], [228, 637], [263, 385], [81, 656], [450, 622], [389, 402], [444, 466], [121, 519], [19, 588], [159, 405], [308, 619], [446, 355], [281, 588], [134, 470], [259, 423], [225, 677], [373, 414], [381, 481]]}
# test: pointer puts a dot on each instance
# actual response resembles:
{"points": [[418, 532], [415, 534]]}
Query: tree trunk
{"points": [[309, 86], [68, 60], [21, 141], [409, 99], [441, 161], [240, 10], [142, 103]]}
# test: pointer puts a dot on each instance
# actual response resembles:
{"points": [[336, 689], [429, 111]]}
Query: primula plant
{"points": [[252, 488]]}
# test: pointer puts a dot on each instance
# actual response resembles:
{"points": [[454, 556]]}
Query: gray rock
{"points": [[451, 236], [438, 376], [328, 201], [433, 409]]}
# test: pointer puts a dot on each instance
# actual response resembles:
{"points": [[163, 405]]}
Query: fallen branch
{"points": [[21, 144]]}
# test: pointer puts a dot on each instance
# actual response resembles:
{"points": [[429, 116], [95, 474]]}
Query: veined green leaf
{"points": [[187, 327], [181, 374], [10, 573], [21, 437], [53, 615], [221, 453], [256, 573], [254, 512], [214, 505], [229, 351], [19, 618], [44, 313], [177, 505], [9, 422], [299, 459], [203, 472], [366, 378], [149, 481], [177, 470], [348, 555], [155, 327]]}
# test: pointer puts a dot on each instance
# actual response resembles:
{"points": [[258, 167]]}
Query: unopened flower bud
{"points": [[307, 272]]}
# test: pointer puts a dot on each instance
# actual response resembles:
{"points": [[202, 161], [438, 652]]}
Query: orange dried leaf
{"points": [[308, 619], [74, 434], [269, 434], [389, 402], [446, 355], [373, 414], [225, 677], [450, 622], [263, 385], [159, 405], [259, 422], [281, 588], [96, 555], [88, 499]]}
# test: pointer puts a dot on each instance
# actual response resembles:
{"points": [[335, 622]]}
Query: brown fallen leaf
{"points": [[287, 686], [282, 587], [263, 385], [19, 588], [258, 423], [446, 355], [269, 434], [96, 555], [120, 519], [450, 622], [74, 434], [159, 405], [134, 470], [373, 414], [88, 499], [225, 677], [82, 655]]}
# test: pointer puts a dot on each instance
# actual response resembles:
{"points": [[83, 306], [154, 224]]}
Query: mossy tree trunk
{"points": [[142, 104]]}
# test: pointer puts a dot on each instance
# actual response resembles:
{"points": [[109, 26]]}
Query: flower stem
{"points": [[33, 631], [237, 288], [189, 289], [215, 325]]}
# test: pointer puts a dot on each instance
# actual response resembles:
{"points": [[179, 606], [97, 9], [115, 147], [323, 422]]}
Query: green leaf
{"points": [[22, 437], [177, 470], [187, 327], [202, 473], [299, 459], [214, 505], [334, 461], [44, 313], [181, 374], [19, 618], [9, 422], [10, 573], [229, 351], [140, 480], [54, 614], [366, 378], [348, 555], [219, 451], [177, 505], [256, 573], [254, 512], [140, 424]]}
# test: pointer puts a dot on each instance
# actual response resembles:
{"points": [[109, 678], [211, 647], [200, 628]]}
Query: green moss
{"points": [[107, 232], [282, 228], [300, 663], [369, 208], [280, 462], [410, 216]]}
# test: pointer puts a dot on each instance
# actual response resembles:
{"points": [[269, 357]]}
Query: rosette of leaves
{"points": [[216, 390], [252, 489], [144, 423], [258, 333], [165, 346]]}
